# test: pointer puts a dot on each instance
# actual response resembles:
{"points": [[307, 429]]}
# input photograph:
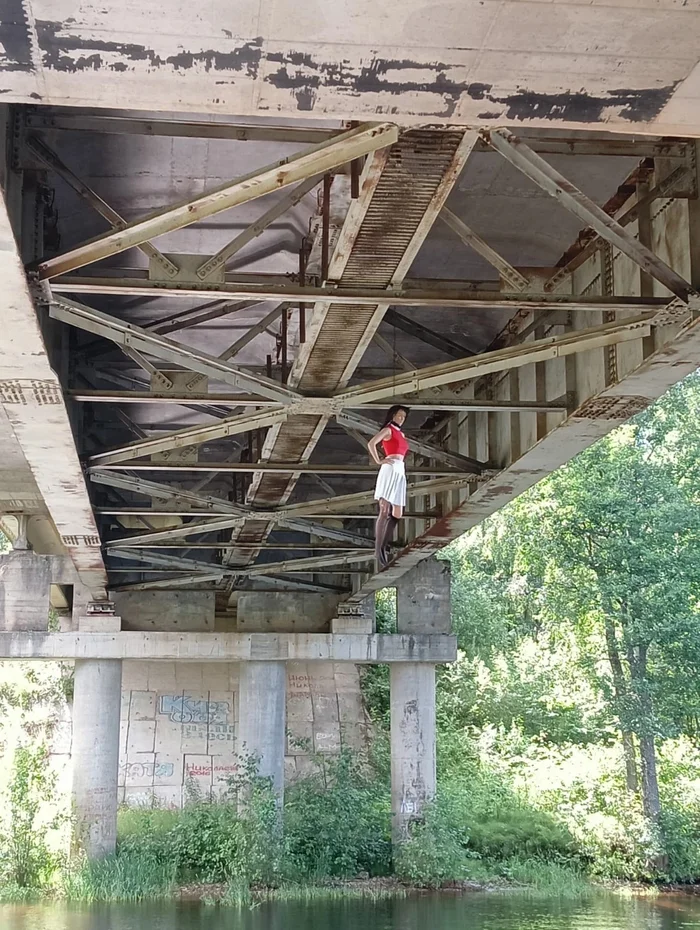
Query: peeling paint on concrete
{"points": [[15, 37], [59, 48]]}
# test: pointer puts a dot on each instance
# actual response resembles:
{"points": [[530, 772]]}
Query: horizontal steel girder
{"points": [[395, 297], [366, 649], [316, 160], [455, 404], [559, 144]]}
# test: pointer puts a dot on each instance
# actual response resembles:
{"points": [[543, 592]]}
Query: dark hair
{"points": [[392, 411]]}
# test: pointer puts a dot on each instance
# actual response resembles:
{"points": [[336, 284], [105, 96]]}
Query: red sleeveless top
{"points": [[398, 444]]}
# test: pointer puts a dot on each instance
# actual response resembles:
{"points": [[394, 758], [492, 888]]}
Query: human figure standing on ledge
{"points": [[390, 490]]}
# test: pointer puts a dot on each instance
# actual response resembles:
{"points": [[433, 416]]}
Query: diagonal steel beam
{"points": [[267, 568], [191, 436], [168, 492], [292, 522], [545, 176], [257, 228], [423, 334], [46, 155], [370, 427], [317, 159], [253, 332], [391, 352], [126, 334], [510, 275], [539, 350]]}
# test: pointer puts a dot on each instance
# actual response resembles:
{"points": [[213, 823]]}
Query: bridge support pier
{"points": [[262, 727], [96, 711], [413, 772], [423, 606]]}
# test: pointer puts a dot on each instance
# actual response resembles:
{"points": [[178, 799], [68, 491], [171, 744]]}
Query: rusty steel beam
{"points": [[312, 161], [545, 176], [190, 129]]}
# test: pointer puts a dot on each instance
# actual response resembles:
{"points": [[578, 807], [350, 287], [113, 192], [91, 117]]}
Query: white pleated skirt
{"points": [[391, 483]]}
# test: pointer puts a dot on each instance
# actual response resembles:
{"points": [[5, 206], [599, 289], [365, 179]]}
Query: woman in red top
{"points": [[390, 490]]}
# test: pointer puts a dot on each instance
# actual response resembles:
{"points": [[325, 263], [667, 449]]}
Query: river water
{"points": [[599, 911]]}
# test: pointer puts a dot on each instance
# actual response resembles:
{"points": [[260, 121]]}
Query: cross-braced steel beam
{"points": [[545, 176], [191, 436], [312, 161], [126, 334], [500, 360]]}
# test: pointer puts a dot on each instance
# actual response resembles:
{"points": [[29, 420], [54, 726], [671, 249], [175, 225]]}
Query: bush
{"points": [[337, 823], [26, 859], [436, 850]]}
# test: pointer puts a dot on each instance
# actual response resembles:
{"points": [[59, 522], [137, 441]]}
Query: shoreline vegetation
{"points": [[568, 729]]}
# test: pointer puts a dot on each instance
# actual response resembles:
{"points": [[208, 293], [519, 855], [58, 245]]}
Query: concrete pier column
{"points": [[263, 713], [413, 773], [95, 754]]}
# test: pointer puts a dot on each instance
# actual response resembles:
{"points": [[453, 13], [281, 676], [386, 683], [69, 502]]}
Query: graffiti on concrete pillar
{"points": [[146, 770], [183, 709]]}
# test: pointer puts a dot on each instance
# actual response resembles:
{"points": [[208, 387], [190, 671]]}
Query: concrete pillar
{"points": [[25, 579], [413, 773], [262, 726], [95, 754]]}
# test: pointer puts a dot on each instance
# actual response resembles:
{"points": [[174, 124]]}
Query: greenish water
{"points": [[599, 911]]}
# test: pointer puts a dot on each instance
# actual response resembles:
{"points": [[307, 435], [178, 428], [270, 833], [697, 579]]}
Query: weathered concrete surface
{"points": [[423, 599], [263, 612], [95, 753], [24, 590], [165, 611], [32, 401], [628, 65], [231, 647], [261, 735], [413, 767]]}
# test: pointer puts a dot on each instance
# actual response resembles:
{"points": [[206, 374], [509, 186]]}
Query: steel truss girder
{"points": [[126, 334], [395, 297], [269, 568], [317, 159], [550, 180], [540, 350]]}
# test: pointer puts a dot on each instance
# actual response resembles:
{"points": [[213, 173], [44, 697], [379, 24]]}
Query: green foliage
{"points": [[26, 860], [337, 823]]}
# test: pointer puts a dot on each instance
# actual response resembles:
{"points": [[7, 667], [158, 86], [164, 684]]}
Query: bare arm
{"points": [[374, 442]]}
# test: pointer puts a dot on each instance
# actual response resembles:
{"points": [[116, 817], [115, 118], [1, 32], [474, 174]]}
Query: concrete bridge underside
{"points": [[211, 295]]}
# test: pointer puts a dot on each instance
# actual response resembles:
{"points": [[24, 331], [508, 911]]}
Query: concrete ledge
{"points": [[367, 649]]}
